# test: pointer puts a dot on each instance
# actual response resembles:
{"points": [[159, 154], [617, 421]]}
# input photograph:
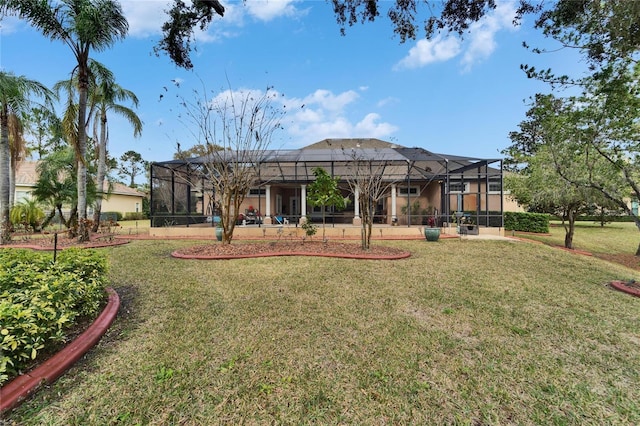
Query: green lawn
{"points": [[613, 238], [133, 227], [463, 332]]}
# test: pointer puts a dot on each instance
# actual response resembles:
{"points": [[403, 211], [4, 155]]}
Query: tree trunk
{"points": [[66, 223], [324, 239], [102, 171], [366, 212], [12, 183], [568, 237], [81, 152], [72, 223], [5, 165], [48, 219]]}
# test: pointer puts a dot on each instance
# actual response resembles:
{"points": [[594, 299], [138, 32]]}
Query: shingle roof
{"points": [[27, 175]]}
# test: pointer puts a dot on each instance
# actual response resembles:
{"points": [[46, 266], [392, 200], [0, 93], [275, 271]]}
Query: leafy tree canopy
{"points": [[178, 30], [408, 19]]}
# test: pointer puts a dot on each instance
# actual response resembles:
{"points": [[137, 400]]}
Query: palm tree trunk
{"points": [[81, 150], [102, 171], [12, 182], [5, 165]]}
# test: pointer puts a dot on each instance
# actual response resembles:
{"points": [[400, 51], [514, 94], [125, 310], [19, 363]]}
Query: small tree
{"points": [[366, 179], [236, 127], [540, 157], [131, 165], [323, 193], [15, 92]]}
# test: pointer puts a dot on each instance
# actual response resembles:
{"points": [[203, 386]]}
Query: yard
{"points": [[469, 332]]}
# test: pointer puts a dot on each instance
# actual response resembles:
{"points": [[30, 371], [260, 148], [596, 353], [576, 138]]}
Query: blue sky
{"points": [[447, 95]]}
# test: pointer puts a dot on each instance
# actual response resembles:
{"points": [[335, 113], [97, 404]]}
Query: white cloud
{"points": [[328, 101], [240, 98], [425, 52], [266, 10], [387, 101], [145, 17], [370, 127], [9, 24], [478, 45], [323, 114], [482, 41]]}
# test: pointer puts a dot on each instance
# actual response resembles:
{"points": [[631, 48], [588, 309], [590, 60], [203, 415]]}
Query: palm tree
{"points": [[28, 213], [17, 151], [104, 97], [82, 25], [14, 99], [56, 187]]}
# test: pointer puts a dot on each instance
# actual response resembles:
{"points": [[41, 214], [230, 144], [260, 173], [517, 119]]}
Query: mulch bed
{"points": [[290, 248], [48, 241]]}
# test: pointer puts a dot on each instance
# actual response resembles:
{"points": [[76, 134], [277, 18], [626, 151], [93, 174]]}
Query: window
{"points": [[494, 187], [254, 192], [22, 195], [413, 190], [458, 187]]}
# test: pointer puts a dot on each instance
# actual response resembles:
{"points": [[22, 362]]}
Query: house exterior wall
{"points": [[123, 203], [420, 177], [427, 195]]}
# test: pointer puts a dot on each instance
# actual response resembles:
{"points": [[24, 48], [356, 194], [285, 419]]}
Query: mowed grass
{"points": [[613, 238], [463, 332]]}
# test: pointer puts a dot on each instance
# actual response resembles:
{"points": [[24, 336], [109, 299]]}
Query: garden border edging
{"points": [[17, 390], [621, 286]]}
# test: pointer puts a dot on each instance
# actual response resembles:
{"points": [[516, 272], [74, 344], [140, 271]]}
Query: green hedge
{"points": [[134, 216], [526, 222], [113, 216], [40, 300], [597, 219]]}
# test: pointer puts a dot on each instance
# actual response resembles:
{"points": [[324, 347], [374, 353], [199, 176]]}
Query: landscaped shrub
{"points": [[40, 300], [526, 222], [134, 216], [114, 216]]}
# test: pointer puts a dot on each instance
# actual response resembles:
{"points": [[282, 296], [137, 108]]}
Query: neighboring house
{"points": [[437, 184], [122, 199]]}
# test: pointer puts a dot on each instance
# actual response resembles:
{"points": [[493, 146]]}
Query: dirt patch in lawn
{"points": [[628, 260], [290, 248]]}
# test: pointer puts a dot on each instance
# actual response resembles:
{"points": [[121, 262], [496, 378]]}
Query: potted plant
{"points": [[219, 231], [431, 232]]}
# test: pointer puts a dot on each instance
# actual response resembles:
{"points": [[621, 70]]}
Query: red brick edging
{"points": [[16, 391], [402, 255], [623, 287]]}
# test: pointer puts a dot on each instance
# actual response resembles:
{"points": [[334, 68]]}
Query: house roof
{"points": [[27, 175], [297, 164]]}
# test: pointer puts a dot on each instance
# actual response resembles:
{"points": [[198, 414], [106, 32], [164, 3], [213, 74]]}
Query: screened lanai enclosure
{"points": [[417, 184]]}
